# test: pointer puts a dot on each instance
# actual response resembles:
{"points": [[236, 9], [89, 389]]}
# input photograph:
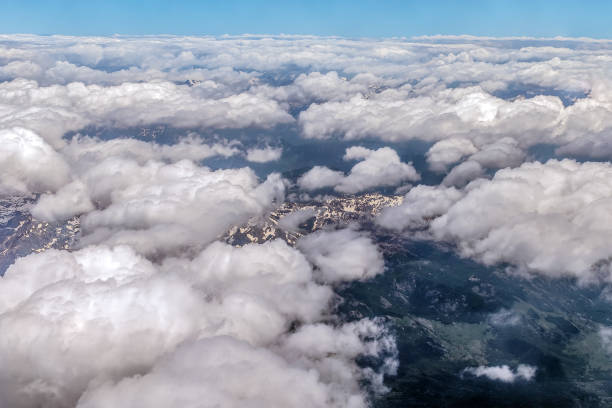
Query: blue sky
{"points": [[355, 18]]}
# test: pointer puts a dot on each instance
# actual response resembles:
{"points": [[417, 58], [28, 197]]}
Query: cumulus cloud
{"points": [[70, 200], [496, 63], [160, 207], [342, 255], [56, 109], [463, 173], [164, 307], [63, 308], [545, 218], [317, 87], [68, 177], [504, 152], [376, 168], [320, 177], [447, 152], [501, 153], [398, 114], [503, 373], [258, 304], [314, 363], [597, 146], [28, 164], [81, 151], [467, 117], [478, 89], [421, 204], [221, 372], [219, 324], [264, 155]]}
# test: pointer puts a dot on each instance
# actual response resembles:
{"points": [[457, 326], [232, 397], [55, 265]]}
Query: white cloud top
{"points": [[28, 164], [343, 255], [218, 323], [376, 168], [264, 155], [545, 218], [503, 373], [159, 207]]}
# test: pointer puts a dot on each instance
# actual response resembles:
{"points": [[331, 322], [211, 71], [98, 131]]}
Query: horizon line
{"points": [[287, 35]]}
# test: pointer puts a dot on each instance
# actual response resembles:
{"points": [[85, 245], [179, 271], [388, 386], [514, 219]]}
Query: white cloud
{"points": [[62, 307], [82, 151], [160, 207], [376, 168], [332, 350], [317, 87], [257, 290], [56, 109], [544, 217], [447, 152], [342, 255], [59, 309], [463, 173], [423, 88], [472, 160], [70, 200], [421, 204], [398, 114], [496, 63], [314, 362], [320, 177], [28, 164], [503, 373], [264, 155], [504, 152], [235, 322], [548, 218], [226, 324], [222, 372]]}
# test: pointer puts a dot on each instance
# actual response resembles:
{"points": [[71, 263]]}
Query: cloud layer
{"points": [[149, 302], [480, 89]]}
